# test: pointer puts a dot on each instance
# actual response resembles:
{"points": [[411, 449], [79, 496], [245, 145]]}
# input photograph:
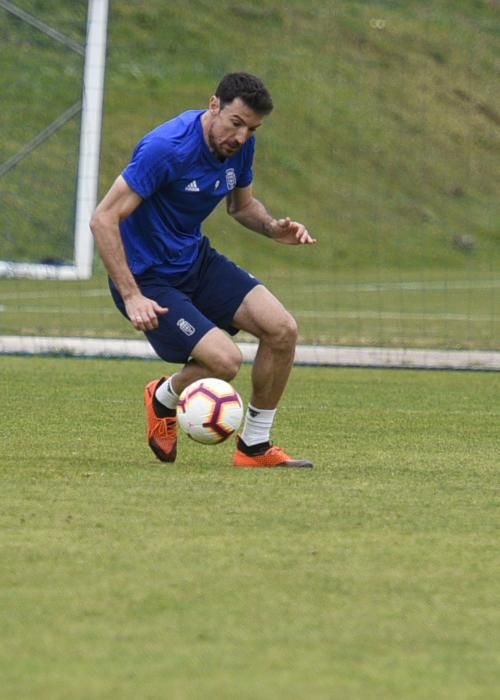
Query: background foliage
{"points": [[385, 138]]}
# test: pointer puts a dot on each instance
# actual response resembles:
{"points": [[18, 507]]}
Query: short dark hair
{"points": [[248, 88]]}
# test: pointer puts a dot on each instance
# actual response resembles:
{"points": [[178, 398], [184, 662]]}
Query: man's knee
{"points": [[226, 364], [284, 332], [219, 356]]}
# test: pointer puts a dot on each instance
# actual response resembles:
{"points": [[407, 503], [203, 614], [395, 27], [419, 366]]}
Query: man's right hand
{"points": [[143, 312]]}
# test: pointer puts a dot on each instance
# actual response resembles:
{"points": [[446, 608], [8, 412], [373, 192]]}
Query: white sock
{"points": [[257, 425], [166, 395]]}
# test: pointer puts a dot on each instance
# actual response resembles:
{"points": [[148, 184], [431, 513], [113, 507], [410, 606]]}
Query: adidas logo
{"points": [[192, 187]]}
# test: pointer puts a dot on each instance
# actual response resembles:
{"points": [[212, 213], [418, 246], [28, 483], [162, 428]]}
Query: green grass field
{"points": [[427, 309], [375, 575]]}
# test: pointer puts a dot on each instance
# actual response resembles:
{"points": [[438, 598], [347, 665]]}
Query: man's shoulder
{"points": [[177, 137], [178, 129]]}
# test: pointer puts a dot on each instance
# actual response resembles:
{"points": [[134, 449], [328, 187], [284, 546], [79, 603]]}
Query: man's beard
{"points": [[217, 150]]}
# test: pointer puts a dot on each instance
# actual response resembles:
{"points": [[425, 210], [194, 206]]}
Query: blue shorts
{"points": [[206, 296]]}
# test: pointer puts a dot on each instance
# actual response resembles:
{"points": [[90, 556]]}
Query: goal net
{"points": [[51, 120], [384, 142]]}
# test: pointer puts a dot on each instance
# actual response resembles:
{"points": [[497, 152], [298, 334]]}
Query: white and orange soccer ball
{"points": [[209, 411]]}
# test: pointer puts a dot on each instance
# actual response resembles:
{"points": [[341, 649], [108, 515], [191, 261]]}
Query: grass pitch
{"points": [[388, 309], [375, 575]]}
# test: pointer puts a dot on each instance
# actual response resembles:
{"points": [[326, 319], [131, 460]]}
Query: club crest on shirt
{"points": [[230, 179]]}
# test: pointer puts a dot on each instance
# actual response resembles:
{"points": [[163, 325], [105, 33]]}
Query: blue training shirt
{"points": [[181, 182]]}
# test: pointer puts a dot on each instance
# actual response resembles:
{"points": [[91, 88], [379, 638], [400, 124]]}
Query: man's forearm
{"points": [[110, 247], [255, 217]]}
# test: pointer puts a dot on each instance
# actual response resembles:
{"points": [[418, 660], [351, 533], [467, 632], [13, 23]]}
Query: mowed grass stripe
{"points": [[373, 575]]}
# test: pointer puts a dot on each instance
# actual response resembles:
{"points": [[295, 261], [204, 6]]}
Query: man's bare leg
{"points": [[262, 315]]}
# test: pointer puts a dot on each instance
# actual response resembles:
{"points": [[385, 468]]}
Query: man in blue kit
{"points": [[186, 297]]}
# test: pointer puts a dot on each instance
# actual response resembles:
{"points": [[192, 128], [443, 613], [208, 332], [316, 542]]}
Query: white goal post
{"points": [[89, 149]]}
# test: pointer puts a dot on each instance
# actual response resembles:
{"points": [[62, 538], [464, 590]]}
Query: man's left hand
{"points": [[291, 232]]}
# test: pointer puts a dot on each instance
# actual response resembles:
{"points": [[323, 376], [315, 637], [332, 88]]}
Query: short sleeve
{"points": [[150, 167]]}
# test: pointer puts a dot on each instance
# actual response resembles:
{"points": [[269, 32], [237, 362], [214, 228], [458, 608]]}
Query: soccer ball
{"points": [[209, 411]]}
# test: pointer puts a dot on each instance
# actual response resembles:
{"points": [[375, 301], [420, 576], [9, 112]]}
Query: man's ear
{"points": [[214, 105]]}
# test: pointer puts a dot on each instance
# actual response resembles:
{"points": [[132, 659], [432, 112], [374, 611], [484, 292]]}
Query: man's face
{"points": [[230, 126]]}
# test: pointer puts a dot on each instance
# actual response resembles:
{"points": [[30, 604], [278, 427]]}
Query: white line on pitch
{"points": [[59, 310], [442, 285], [394, 315], [56, 294], [350, 315]]}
